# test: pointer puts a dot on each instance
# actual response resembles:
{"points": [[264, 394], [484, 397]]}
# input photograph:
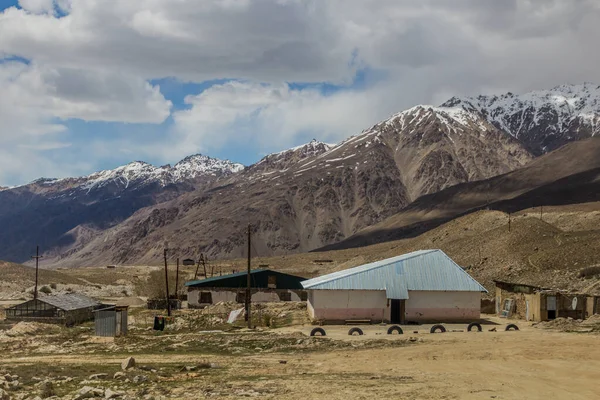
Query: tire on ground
{"points": [[511, 327], [474, 325], [394, 328], [320, 331], [435, 328], [352, 331]]}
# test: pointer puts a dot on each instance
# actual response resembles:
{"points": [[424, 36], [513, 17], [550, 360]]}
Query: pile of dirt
{"points": [[591, 324], [29, 328]]}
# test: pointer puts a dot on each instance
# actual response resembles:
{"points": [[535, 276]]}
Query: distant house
{"points": [[424, 285], [534, 303], [189, 261], [267, 285], [66, 309]]}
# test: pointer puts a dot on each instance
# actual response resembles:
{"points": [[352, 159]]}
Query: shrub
{"points": [[589, 272], [45, 289]]}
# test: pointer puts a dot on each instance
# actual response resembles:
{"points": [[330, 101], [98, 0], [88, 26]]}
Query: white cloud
{"points": [[36, 100], [272, 116], [38, 6], [94, 63]]}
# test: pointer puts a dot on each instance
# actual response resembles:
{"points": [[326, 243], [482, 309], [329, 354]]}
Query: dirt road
{"points": [[529, 364]]}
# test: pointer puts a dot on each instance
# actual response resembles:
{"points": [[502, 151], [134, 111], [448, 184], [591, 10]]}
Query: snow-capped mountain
{"points": [[543, 120], [297, 199], [290, 157], [54, 212], [317, 194], [139, 173]]}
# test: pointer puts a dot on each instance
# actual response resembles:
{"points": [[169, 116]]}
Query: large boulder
{"points": [[128, 363]]}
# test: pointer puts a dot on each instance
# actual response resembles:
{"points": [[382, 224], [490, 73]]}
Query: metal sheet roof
{"points": [[218, 278], [419, 270], [71, 301], [258, 278]]}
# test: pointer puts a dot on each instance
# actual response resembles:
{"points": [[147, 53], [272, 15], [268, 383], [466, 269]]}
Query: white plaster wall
{"points": [[262, 297], [223, 295], [426, 305], [348, 304]]}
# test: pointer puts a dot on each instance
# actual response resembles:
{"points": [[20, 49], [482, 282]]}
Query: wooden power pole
{"points": [[177, 280], [167, 281], [248, 284], [37, 261]]}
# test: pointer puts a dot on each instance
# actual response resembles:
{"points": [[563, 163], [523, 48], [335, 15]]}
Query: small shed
{"points": [[266, 286], [68, 309], [189, 261], [534, 303], [111, 321]]}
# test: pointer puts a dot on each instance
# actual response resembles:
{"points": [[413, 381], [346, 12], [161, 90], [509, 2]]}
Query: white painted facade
{"points": [[442, 306], [341, 305], [230, 296]]}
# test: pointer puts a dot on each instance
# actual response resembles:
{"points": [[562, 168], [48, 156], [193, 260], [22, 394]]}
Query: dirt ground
{"points": [[527, 364]]}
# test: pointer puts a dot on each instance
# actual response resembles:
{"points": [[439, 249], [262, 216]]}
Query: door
{"points": [[397, 311], [551, 307]]}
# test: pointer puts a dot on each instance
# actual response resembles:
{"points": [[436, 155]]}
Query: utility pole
{"points": [[167, 279], [37, 260], [248, 290], [177, 280]]}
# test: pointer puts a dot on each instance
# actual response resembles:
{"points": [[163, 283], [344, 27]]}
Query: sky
{"points": [[87, 85]]}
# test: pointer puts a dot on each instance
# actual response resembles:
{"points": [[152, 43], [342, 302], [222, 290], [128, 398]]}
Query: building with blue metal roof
{"points": [[424, 285]]}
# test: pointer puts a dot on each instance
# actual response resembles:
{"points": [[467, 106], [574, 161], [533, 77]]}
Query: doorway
{"points": [[551, 307], [397, 311]]}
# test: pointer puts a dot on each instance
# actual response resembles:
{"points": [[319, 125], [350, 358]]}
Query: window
{"points": [[272, 283], [205, 298], [285, 296]]}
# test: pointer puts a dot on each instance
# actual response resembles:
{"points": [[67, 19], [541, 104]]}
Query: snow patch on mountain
{"points": [[564, 111]]}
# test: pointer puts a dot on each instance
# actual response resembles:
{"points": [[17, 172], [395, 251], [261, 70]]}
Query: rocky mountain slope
{"points": [[62, 214], [569, 175], [316, 194], [312, 195], [543, 120]]}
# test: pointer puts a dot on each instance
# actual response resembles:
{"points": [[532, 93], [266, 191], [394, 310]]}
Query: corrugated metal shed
{"points": [[419, 270], [69, 302]]}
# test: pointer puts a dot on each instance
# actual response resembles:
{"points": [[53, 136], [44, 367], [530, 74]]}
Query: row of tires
{"points": [[396, 329]]}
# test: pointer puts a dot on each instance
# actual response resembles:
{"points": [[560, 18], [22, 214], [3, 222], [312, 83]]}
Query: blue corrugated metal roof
{"points": [[419, 270]]}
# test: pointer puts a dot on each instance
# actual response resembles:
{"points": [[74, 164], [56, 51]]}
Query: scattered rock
{"points": [[190, 368], [96, 377], [146, 368], [110, 394], [128, 363], [140, 378], [46, 389], [282, 361], [4, 395], [119, 375], [88, 392]]}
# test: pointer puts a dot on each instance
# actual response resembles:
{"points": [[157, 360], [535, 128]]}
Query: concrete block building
{"points": [[267, 286], [425, 285]]}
